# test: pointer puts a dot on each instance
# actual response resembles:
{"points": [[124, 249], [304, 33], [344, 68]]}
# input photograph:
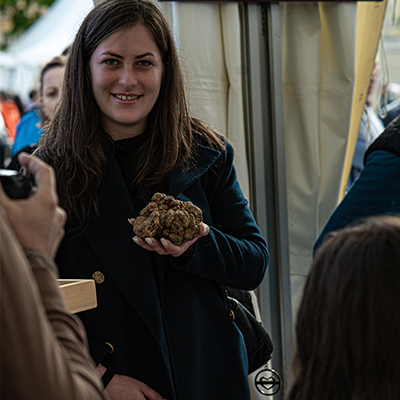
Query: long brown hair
{"points": [[348, 326], [75, 142]]}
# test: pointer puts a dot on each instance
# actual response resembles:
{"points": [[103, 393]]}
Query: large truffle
{"points": [[169, 218]]}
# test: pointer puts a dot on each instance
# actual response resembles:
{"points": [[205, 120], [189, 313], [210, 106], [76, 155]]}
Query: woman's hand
{"points": [[122, 387], [38, 221], [166, 247]]}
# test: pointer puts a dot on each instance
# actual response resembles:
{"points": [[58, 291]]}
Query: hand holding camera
{"points": [[34, 214], [16, 185]]}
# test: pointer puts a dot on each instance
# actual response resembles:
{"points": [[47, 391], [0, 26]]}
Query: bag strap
{"points": [[242, 296]]}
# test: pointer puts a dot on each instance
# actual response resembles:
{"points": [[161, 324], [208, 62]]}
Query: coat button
{"points": [[98, 277], [110, 346]]}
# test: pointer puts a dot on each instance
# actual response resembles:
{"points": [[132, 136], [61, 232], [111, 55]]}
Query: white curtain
{"points": [[209, 40], [318, 80], [321, 88]]}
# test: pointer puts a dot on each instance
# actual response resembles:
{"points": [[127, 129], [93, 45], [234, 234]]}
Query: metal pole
{"points": [[263, 57]]}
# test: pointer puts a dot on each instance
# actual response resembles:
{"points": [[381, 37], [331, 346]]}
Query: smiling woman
{"points": [[123, 132], [126, 72]]}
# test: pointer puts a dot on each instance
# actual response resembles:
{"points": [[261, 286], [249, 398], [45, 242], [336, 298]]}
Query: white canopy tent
{"points": [[20, 65]]}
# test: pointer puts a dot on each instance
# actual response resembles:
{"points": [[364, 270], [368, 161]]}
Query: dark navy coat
{"points": [[174, 328], [376, 191]]}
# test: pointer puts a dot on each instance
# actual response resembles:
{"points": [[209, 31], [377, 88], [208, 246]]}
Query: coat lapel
{"points": [[112, 231], [180, 180]]}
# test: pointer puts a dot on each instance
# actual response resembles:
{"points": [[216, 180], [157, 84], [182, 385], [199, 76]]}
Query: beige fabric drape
{"points": [[370, 17], [324, 91], [209, 40], [318, 80]]}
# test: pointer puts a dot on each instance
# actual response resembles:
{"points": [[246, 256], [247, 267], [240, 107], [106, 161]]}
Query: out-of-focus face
{"points": [[126, 74], [51, 90]]}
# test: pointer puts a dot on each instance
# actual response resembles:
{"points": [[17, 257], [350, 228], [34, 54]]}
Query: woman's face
{"points": [[52, 82], [126, 73]]}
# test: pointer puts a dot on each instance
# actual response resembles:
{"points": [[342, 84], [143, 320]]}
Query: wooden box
{"points": [[79, 294]]}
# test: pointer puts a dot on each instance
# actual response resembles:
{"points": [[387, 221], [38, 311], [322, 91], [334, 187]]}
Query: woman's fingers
{"points": [[166, 247]]}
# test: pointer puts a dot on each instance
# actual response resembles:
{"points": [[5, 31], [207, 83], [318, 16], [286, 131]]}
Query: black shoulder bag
{"points": [[257, 340]]}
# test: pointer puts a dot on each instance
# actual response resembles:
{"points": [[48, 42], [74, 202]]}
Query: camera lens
{"points": [[16, 185]]}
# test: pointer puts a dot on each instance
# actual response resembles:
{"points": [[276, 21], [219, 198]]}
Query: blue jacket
{"points": [[28, 132], [376, 191], [179, 327]]}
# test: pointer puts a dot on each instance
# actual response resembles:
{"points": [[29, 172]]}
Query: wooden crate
{"points": [[79, 294]]}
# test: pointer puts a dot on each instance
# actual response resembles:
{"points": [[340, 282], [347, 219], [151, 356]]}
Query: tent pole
{"points": [[262, 46]]}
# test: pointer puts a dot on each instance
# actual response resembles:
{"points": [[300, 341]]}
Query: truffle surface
{"points": [[169, 218]]}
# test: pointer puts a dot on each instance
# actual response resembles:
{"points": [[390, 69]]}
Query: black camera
{"points": [[16, 185]]}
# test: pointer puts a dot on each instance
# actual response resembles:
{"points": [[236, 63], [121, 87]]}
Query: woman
{"points": [[348, 322], [30, 128], [121, 133]]}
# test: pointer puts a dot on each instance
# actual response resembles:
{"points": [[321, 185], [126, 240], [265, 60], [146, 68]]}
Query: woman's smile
{"points": [[126, 97], [126, 73]]}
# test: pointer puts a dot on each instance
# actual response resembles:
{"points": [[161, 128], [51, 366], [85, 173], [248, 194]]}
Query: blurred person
{"points": [[371, 125], [393, 92], [3, 141], [348, 324], [10, 113], [30, 128], [377, 189], [33, 101], [51, 83], [121, 133], [66, 51], [392, 110], [18, 102], [43, 352]]}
